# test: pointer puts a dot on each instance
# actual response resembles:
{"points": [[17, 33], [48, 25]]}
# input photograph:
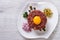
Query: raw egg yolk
{"points": [[37, 20]]}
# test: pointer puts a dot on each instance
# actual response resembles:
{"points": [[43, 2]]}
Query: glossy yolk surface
{"points": [[37, 20]]}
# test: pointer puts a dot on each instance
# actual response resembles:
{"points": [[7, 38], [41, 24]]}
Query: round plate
{"points": [[51, 22]]}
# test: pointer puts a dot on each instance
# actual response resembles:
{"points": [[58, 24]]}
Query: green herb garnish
{"points": [[25, 15]]}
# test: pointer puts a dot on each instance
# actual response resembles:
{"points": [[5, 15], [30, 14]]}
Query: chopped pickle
{"points": [[30, 7], [44, 29], [48, 12]]}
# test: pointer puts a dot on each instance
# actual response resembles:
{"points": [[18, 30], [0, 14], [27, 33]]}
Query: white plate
{"points": [[51, 22]]}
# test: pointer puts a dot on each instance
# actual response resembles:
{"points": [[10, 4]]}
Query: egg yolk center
{"points": [[37, 20]]}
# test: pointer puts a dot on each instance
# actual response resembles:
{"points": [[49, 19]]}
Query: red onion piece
{"points": [[26, 27]]}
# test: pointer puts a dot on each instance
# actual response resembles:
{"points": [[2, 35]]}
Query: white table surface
{"points": [[9, 10]]}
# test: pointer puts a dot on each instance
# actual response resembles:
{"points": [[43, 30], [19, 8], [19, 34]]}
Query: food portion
{"points": [[26, 27], [36, 19], [31, 8], [48, 12], [25, 15]]}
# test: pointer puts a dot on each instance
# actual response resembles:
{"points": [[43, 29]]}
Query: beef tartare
{"points": [[37, 20]]}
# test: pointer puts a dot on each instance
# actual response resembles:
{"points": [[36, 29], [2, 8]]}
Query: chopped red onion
{"points": [[26, 27]]}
